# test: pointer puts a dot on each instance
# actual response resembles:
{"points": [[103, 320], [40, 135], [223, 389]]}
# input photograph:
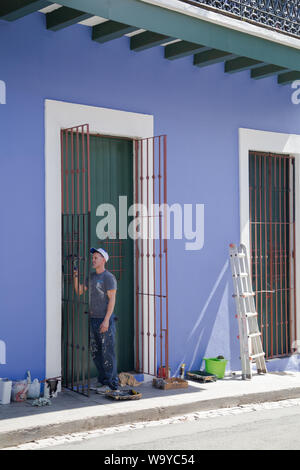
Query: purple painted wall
{"points": [[200, 110]]}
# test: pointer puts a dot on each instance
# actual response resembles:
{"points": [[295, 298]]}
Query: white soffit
{"points": [[50, 8], [93, 21], [135, 33]]}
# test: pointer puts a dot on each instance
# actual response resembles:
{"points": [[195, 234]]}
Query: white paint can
{"points": [[5, 391]]}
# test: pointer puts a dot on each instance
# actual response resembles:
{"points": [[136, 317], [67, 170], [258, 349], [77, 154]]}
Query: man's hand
{"points": [[110, 308], [104, 326], [79, 288]]}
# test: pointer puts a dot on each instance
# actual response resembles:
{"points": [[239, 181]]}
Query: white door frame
{"points": [[60, 115], [261, 141]]}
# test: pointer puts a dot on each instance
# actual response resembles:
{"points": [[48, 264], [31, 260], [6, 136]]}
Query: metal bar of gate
{"points": [[276, 255], [266, 330], [280, 260], [271, 264], [290, 167], [294, 253], [166, 260], [137, 284], [285, 253], [160, 257], [260, 241], [154, 251], [142, 251], [148, 254]]}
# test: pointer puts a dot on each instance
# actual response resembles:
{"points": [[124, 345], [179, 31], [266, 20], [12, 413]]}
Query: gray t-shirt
{"points": [[98, 285]]}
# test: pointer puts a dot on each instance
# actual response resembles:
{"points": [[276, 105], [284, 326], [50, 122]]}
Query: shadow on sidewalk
{"points": [[69, 400]]}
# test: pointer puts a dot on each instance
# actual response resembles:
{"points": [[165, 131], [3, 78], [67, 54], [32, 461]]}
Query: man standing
{"points": [[102, 287]]}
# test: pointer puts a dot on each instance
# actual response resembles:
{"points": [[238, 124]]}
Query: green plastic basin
{"points": [[216, 366]]}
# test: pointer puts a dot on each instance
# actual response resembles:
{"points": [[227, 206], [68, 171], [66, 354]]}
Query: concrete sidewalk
{"points": [[70, 413]]}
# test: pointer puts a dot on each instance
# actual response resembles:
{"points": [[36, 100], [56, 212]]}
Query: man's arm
{"points": [[110, 310], [79, 288]]}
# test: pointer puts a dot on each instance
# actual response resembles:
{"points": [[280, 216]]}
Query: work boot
{"points": [[114, 386]]}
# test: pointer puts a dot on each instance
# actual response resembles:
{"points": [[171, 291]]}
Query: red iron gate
{"points": [[151, 254], [76, 235], [273, 248]]}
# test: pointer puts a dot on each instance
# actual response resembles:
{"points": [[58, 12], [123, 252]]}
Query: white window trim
{"points": [[274, 142], [59, 115]]}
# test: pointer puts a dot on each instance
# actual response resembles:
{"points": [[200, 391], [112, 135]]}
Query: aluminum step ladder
{"points": [[249, 335]]}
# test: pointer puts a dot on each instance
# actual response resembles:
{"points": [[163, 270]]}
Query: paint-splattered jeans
{"points": [[103, 352]]}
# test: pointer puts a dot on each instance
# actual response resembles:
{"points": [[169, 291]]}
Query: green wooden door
{"points": [[111, 177]]}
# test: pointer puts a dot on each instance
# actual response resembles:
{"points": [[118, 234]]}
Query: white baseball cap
{"points": [[101, 251]]}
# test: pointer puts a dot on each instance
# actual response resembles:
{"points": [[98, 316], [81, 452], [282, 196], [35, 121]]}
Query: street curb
{"points": [[26, 435]]}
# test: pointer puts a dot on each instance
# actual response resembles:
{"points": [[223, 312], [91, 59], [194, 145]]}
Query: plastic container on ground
{"points": [[34, 390], [5, 391], [216, 366]]}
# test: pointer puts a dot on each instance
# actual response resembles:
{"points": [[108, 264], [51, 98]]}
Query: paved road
{"points": [[265, 426]]}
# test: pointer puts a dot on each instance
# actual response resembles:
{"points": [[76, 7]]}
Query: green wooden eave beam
{"points": [[64, 17], [177, 25], [11, 10], [267, 71], [111, 30], [288, 78], [240, 64], [211, 57], [146, 40], [182, 49]]}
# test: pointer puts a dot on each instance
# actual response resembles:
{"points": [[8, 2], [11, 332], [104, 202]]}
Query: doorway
{"points": [[59, 116], [96, 171]]}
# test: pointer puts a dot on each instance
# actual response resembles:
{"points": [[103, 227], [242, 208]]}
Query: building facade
{"points": [[224, 92]]}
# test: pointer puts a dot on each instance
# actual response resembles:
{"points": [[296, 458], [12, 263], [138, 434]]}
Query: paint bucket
{"points": [[162, 372], [5, 391], [50, 388], [216, 366]]}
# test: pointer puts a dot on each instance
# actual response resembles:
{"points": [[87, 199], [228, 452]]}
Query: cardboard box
{"points": [[170, 384], [201, 376]]}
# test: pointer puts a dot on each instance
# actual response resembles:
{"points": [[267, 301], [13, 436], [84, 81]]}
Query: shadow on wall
{"points": [[204, 326]]}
